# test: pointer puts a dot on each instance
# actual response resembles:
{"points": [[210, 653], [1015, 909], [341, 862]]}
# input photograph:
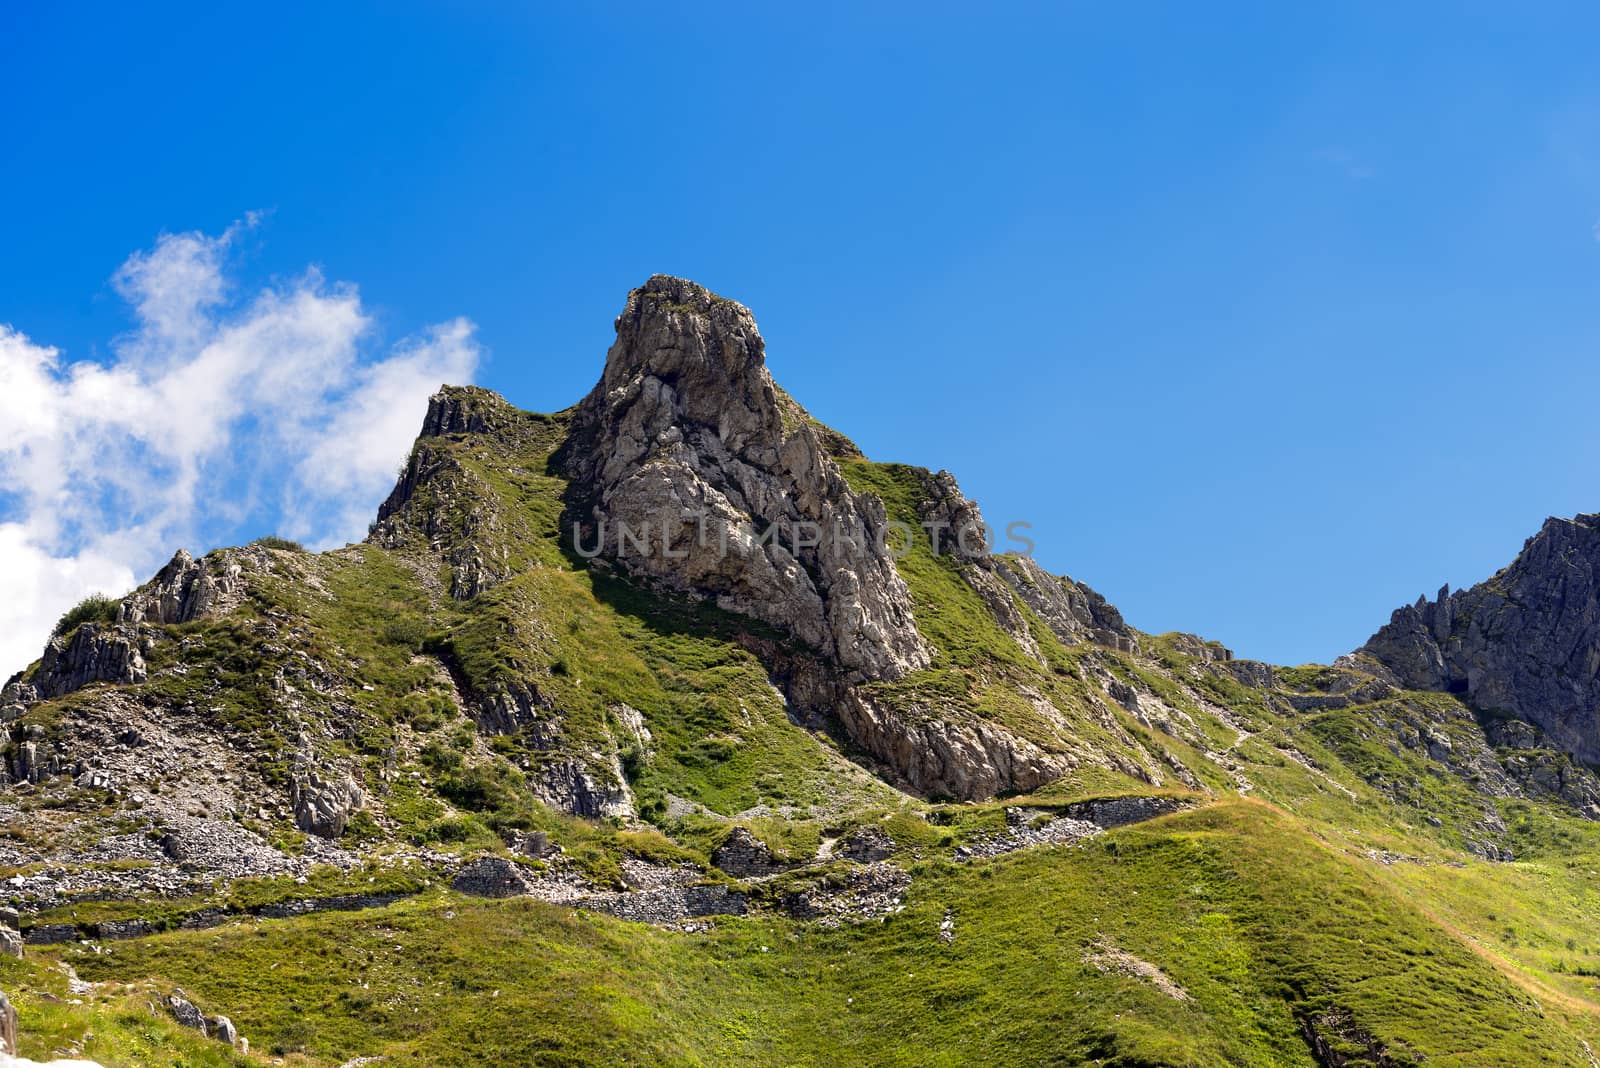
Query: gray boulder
{"points": [[323, 804], [534, 844], [183, 1010]]}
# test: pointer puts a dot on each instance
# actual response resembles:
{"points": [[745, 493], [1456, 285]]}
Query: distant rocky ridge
{"points": [[1524, 644]]}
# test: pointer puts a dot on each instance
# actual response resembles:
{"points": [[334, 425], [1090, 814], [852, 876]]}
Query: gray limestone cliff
{"points": [[701, 474]]}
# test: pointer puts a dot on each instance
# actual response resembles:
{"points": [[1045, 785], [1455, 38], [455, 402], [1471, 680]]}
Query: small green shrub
{"points": [[709, 752], [409, 633], [293, 1037], [425, 712], [456, 830], [363, 828], [95, 608], [481, 788], [438, 758], [272, 541]]}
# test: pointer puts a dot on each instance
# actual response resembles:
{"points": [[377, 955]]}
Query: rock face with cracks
{"points": [[701, 474]]}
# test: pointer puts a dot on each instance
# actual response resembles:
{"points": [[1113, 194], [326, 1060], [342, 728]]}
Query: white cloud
{"points": [[356, 450], [217, 415], [36, 587]]}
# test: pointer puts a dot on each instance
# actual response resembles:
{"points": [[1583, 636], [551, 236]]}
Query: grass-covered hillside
{"points": [[1354, 873], [1223, 936]]}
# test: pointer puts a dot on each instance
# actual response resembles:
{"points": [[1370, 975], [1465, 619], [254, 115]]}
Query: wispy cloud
{"points": [[219, 413]]}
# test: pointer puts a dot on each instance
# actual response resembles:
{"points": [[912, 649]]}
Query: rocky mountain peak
{"points": [[1578, 528], [1525, 643], [465, 410], [705, 349], [698, 472]]}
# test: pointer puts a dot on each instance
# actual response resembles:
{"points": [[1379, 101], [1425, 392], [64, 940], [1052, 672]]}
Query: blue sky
{"points": [[1267, 318]]}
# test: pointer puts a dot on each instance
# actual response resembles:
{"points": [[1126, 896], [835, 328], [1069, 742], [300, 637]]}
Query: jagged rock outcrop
{"points": [[688, 467], [187, 589], [29, 762], [1540, 771], [697, 472], [945, 758], [444, 503], [184, 589], [324, 802], [1499, 757], [94, 652], [1071, 609], [934, 745], [594, 791], [517, 705], [466, 410], [1526, 643]]}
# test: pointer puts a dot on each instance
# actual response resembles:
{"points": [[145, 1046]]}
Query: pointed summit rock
{"points": [[696, 471]]}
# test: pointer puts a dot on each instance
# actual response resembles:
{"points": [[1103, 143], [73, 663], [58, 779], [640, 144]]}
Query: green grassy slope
{"points": [[1261, 928]]}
